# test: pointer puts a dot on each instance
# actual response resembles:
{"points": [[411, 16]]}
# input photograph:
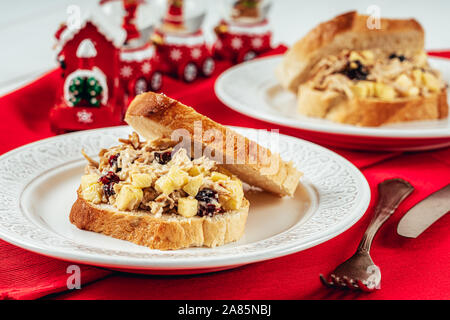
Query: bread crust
{"points": [[165, 233], [348, 30], [370, 112], [155, 115]]}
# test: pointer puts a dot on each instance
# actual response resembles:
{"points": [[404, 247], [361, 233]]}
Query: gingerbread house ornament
{"points": [[181, 46], [90, 91], [87, 84], [244, 32], [103, 66]]}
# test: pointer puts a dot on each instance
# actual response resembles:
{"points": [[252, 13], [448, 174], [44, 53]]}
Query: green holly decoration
{"points": [[75, 100], [87, 89], [94, 102], [93, 87], [78, 81]]}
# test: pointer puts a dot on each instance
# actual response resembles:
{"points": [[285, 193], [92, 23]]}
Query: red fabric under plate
{"points": [[409, 266]]}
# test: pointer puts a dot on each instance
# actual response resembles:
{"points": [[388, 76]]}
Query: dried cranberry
{"points": [[109, 177], [208, 203], [108, 180], [207, 195], [113, 160], [209, 209], [399, 57], [355, 70], [163, 157]]}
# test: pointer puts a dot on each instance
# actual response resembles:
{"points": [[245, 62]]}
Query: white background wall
{"points": [[27, 27]]}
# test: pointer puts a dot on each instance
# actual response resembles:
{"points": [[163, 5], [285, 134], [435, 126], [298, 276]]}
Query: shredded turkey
{"points": [[330, 73]]}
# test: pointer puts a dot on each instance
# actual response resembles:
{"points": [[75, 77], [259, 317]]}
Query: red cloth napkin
{"points": [[409, 266]]}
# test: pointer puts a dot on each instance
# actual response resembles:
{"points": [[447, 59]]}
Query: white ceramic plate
{"points": [[39, 181], [252, 89]]}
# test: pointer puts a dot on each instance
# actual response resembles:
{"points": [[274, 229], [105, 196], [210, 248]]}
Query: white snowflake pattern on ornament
{"points": [[84, 116], [146, 67], [196, 53], [126, 71], [257, 43], [219, 44], [236, 43], [175, 54]]}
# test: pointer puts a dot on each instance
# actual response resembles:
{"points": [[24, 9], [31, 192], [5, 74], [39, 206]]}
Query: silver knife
{"points": [[425, 213]]}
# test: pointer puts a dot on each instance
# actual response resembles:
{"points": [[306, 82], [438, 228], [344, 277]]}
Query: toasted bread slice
{"points": [[347, 31], [370, 111], [154, 115], [166, 232]]}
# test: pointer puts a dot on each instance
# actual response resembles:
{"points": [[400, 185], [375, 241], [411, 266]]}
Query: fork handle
{"points": [[390, 194]]}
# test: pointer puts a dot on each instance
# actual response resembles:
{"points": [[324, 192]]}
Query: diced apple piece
{"points": [[195, 171], [129, 197], [413, 92], [417, 76], [431, 82], [368, 56], [193, 185], [141, 180], [234, 200], [384, 91], [216, 176], [421, 59], [88, 180], [92, 193], [187, 207], [363, 89], [178, 177], [404, 81], [164, 185], [355, 56]]}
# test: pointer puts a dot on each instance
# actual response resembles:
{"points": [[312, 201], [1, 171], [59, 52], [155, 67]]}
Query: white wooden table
{"points": [[27, 27]]}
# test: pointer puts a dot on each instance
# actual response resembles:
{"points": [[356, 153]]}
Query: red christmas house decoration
{"points": [[245, 34], [181, 46], [100, 74]]}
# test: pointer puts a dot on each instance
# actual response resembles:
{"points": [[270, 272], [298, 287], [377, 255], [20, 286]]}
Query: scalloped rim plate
{"points": [[39, 181]]}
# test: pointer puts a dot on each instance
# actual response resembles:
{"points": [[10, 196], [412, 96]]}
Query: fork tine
{"points": [[334, 280], [350, 283], [344, 282], [339, 281], [325, 282], [363, 287]]}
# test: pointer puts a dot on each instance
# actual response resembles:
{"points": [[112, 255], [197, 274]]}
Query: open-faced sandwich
{"points": [[346, 72], [157, 194]]}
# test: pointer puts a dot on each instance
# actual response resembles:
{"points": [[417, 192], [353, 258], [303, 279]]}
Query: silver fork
{"points": [[359, 271]]}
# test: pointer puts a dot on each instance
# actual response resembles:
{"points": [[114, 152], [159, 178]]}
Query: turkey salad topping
{"points": [[372, 74], [157, 177]]}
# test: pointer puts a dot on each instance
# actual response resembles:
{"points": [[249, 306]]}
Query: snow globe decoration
{"points": [[179, 40], [244, 31]]}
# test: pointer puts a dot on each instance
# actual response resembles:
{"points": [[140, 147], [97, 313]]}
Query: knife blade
{"points": [[425, 213]]}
